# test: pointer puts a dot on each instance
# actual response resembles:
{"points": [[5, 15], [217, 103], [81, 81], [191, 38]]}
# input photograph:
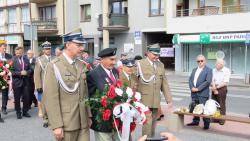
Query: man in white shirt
{"points": [[221, 76]]}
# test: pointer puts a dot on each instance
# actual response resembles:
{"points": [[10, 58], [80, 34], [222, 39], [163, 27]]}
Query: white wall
{"points": [[138, 11], [90, 28], [198, 24]]}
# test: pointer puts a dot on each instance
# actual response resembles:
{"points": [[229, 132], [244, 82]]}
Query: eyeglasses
{"points": [[200, 61]]}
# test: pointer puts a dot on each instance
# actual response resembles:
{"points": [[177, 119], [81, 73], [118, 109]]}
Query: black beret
{"points": [[128, 62], [107, 52]]}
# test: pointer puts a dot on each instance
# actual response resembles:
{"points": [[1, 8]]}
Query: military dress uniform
{"points": [[132, 79], [64, 97], [41, 64], [152, 80]]}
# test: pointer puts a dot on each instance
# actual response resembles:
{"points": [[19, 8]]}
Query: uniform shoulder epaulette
{"points": [[56, 59]]}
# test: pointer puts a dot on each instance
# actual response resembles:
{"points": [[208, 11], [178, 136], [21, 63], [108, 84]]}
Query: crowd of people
{"points": [[59, 85]]}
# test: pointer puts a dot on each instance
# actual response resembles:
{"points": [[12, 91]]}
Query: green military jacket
{"points": [[151, 90], [66, 109]]}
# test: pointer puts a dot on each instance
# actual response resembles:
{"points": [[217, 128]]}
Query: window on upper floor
{"points": [[12, 16], [25, 14], [47, 13], [24, 1], [1, 3], [156, 7], [234, 6], [86, 13], [119, 7], [12, 2]]}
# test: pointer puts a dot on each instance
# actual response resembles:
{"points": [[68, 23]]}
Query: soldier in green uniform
{"points": [[127, 74], [152, 80], [41, 64], [65, 92]]}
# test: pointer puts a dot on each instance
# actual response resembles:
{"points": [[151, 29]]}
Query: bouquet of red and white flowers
{"points": [[119, 108], [5, 73]]}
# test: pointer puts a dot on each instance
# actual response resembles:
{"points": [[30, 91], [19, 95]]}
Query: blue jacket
{"points": [[203, 82]]}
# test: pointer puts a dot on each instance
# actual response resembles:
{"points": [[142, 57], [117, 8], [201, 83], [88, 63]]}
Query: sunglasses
{"points": [[200, 61]]}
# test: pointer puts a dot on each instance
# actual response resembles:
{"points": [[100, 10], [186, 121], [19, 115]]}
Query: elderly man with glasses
{"points": [[199, 83]]}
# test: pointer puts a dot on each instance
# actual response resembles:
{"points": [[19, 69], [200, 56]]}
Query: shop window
{"points": [[156, 7], [86, 13]]}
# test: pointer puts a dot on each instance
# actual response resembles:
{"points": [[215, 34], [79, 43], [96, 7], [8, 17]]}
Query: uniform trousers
{"points": [[77, 135], [149, 127], [101, 136]]}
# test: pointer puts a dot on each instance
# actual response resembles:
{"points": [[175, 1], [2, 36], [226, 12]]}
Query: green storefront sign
{"points": [[204, 38], [207, 38]]}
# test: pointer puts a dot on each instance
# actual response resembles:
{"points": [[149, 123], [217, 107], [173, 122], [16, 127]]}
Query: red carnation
{"points": [[111, 92], [89, 67], [1, 64], [132, 126], [117, 122], [104, 101], [10, 62], [106, 114], [119, 83]]}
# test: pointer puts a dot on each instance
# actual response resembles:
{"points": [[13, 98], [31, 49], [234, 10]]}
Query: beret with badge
{"points": [[107, 52]]}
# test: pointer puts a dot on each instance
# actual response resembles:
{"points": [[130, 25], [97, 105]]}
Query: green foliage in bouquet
{"points": [[102, 104]]}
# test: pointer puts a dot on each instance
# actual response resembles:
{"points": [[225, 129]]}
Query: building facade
{"points": [[214, 28], [53, 18], [14, 14], [132, 25]]}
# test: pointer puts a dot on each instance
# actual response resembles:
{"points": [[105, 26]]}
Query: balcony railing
{"points": [[42, 1], [116, 22], [45, 24], [213, 10]]}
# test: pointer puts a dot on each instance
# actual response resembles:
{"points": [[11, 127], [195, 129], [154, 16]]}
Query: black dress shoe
{"points": [[221, 122], [45, 125], [162, 116], [26, 115], [205, 127], [4, 112], [19, 115], [193, 124]]}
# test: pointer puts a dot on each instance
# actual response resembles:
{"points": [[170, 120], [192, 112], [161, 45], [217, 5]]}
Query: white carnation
{"points": [[9, 73], [3, 87], [118, 91], [129, 91], [138, 96], [2, 73], [7, 66]]}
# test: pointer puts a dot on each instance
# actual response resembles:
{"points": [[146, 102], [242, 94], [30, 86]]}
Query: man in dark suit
{"points": [[4, 57], [21, 73], [103, 74], [199, 83], [32, 62]]}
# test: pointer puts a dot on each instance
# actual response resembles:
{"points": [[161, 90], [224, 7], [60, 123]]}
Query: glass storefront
{"points": [[234, 55]]}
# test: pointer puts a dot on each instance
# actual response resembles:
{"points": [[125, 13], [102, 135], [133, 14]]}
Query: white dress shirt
{"points": [[107, 71], [197, 74], [221, 76]]}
